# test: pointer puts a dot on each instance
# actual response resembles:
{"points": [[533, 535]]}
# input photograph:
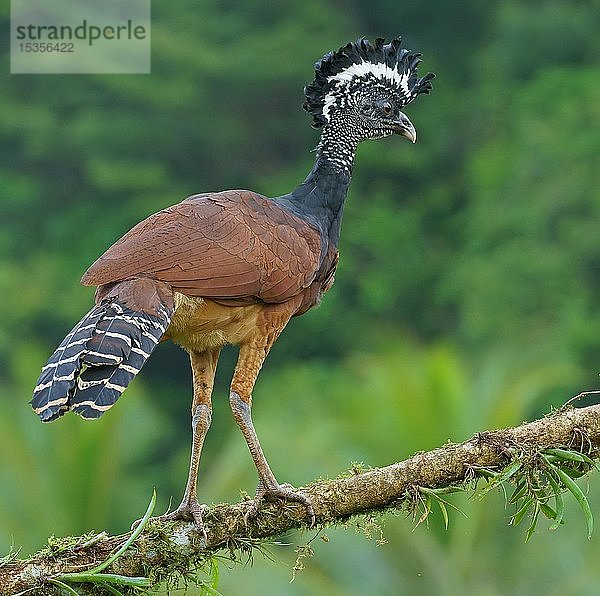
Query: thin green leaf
{"points": [[565, 454], [509, 471], [214, 573], [445, 490], [573, 473], [113, 590], [560, 504], [101, 578], [64, 587], [534, 520], [519, 491], [92, 540], [548, 511], [518, 516], [131, 539], [444, 512], [485, 472], [435, 493], [94, 575], [426, 502], [580, 498]]}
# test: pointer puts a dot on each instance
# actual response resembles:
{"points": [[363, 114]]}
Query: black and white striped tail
{"points": [[97, 360]]}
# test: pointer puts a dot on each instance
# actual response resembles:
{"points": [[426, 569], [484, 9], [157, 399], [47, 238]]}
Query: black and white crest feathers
{"points": [[362, 60]]}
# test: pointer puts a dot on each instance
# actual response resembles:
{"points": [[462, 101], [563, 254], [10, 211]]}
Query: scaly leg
{"points": [[204, 365], [251, 357]]}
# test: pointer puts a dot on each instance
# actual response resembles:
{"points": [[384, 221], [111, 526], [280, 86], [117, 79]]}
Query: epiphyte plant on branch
{"points": [[232, 267]]}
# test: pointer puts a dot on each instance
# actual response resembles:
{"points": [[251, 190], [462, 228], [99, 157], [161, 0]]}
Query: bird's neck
{"points": [[337, 146], [320, 198]]}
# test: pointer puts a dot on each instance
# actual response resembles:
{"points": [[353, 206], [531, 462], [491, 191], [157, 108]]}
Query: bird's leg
{"points": [[204, 365], [250, 360]]}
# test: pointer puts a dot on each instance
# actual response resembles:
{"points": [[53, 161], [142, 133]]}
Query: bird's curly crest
{"points": [[360, 59]]}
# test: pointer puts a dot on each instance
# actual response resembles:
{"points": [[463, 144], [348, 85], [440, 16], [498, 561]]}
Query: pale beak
{"points": [[404, 127]]}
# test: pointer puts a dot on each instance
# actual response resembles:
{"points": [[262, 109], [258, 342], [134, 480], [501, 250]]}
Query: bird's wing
{"points": [[228, 245]]}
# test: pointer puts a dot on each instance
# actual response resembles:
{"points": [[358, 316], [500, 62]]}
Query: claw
{"points": [[279, 491], [191, 512]]}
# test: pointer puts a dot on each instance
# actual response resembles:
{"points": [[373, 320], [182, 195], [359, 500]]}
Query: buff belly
{"points": [[200, 324]]}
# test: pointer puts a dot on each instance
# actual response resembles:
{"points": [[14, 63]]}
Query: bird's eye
{"points": [[386, 108]]}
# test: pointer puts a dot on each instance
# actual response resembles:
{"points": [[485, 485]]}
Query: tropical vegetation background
{"points": [[467, 297]]}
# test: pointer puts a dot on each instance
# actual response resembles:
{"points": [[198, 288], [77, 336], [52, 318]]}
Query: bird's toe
{"points": [[284, 492], [191, 512]]}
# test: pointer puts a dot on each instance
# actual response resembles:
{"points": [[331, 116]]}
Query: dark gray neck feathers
{"points": [[320, 198]]}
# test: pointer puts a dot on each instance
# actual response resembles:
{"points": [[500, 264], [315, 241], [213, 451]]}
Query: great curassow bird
{"points": [[232, 267]]}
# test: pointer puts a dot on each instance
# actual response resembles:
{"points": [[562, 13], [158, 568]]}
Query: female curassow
{"points": [[232, 267]]}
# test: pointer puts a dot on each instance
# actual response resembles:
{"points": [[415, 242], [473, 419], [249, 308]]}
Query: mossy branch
{"points": [[166, 550]]}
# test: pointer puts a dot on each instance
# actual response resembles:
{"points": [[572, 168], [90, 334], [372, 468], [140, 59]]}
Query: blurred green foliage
{"points": [[466, 299]]}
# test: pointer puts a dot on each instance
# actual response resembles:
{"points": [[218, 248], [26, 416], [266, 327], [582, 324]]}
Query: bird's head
{"points": [[361, 89]]}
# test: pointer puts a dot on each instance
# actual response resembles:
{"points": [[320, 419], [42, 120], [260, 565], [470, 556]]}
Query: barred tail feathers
{"points": [[98, 359], [58, 376], [117, 352]]}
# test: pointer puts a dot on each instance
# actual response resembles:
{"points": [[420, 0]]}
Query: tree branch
{"points": [[164, 549]]}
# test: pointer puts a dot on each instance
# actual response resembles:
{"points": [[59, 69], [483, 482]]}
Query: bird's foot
{"points": [[190, 511], [279, 491]]}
